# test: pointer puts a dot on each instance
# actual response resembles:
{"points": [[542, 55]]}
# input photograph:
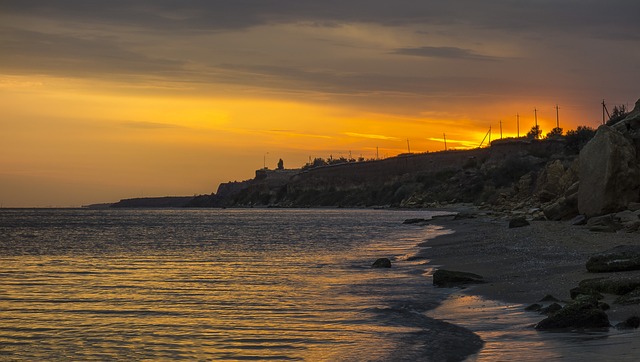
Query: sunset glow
{"points": [[100, 104]]}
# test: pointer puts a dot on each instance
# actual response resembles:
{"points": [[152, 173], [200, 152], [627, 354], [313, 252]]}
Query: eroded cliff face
{"points": [[506, 175]]}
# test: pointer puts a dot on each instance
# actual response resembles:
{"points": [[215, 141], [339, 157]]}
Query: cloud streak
{"points": [[442, 52]]}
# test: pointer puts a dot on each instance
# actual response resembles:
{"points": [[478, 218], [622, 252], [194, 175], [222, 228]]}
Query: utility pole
{"points": [[489, 134], [445, 140], [500, 129], [264, 160], [604, 109], [377, 153], [518, 123], [408, 148], [557, 117], [535, 115]]}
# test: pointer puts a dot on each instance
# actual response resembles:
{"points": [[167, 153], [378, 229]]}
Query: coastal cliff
{"points": [[483, 175], [556, 178]]}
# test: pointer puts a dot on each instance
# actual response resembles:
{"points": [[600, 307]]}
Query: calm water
{"points": [[212, 285]]}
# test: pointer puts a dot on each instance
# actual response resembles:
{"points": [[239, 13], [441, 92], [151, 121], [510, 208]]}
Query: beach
{"points": [[521, 266]]}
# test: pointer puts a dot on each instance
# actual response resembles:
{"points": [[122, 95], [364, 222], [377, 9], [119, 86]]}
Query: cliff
{"points": [[409, 180]]}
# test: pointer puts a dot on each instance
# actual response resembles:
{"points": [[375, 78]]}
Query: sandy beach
{"points": [[522, 265]]}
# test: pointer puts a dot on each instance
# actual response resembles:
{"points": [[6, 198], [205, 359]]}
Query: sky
{"points": [[105, 100]]}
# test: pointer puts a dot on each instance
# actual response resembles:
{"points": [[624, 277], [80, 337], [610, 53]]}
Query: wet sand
{"points": [[521, 266]]}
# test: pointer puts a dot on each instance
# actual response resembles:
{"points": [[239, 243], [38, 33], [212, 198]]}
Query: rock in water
{"points": [[381, 263], [415, 221], [450, 278], [609, 173], [620, 258], [583, 314], [518, 222]]}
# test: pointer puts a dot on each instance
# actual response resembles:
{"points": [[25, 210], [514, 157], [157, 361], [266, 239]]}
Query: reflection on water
{"points": [[201, 284], [509, 334]]}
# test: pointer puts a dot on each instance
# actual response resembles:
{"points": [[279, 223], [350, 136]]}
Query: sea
{"points": [[245, 285], [213, 284]]}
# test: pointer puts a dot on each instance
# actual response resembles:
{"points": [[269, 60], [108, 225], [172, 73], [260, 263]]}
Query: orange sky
{"points": [[153, 100]]}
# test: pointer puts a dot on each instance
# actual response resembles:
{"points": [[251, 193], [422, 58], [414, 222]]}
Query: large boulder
{"points": [[609, 173], [451, 278], [620, 258]]}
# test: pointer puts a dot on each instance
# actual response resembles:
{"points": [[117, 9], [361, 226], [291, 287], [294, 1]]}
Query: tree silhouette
{"points": [[534, 133], [280, 164], [557, 131]]}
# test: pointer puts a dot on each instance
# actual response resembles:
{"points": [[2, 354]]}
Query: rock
{"points": [[575, 315], [563, 208], [632, 226], [533, 307], [609, 174], [550, 181], [578, 220], [628, 219], [620, 258], [464, 215], [630, 298], [634, 206], [605, 224], [518, 222], [577, 291], [618, 285], [626, 216], [450, 278], [415, 221], [604, 306], [551, 309], [549, 298], [629, 323], [381, 263]]}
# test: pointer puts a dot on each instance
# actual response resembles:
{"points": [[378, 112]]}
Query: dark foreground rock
{"points": [[582, 314], [620, 258], [451, 278], [518, 222], [381, 263], [618, 285], [630, 298], [629, 323]]}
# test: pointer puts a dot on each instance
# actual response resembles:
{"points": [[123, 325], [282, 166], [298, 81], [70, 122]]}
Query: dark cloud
{"points": [[504, 45], [361, 83], [442, 52], [33, 51], [166, 15]]}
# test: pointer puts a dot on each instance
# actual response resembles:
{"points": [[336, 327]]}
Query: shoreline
{"points": [[520, 267]]}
